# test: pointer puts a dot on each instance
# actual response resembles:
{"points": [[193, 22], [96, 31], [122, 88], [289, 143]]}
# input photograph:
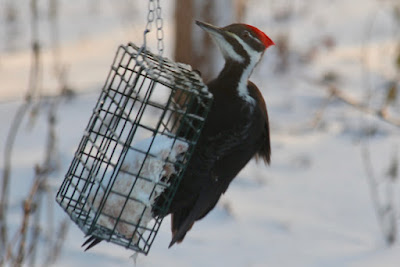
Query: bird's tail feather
{"points": [[183, 221], [91, 242], [177, 220], [179, 234]]}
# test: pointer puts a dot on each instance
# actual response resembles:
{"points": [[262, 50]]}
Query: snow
{"points": [[311, 207]]}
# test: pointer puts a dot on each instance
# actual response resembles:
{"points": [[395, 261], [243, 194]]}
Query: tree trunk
{"points": [[193, 46]]}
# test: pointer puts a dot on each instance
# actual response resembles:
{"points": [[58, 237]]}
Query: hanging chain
{"points": [[155, 15], [160, 31]]}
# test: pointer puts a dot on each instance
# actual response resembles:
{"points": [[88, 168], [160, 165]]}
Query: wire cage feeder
{"points": [[136, 146]]}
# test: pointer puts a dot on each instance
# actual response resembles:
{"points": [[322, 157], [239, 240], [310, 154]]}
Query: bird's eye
{"points": [[245, 34]]}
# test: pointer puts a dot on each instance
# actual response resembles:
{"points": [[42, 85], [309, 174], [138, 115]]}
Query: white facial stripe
{"points": [[255, 39], [226, 48], [254, 57]]}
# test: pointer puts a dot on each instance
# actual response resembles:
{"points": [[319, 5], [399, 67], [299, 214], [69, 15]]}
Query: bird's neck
{"points": [[236, 75]]}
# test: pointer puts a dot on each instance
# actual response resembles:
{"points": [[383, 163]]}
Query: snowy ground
{"points": [[312, 206]]}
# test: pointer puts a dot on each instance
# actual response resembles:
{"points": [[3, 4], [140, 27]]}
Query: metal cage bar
{"points": [[149, 109]]}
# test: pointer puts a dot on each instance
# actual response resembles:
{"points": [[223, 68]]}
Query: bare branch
{"points": [[379, 113], [16, 122], [28, 209]]}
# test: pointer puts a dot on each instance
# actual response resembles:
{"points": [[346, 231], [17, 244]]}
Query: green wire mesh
{"points": [[108, 190]]}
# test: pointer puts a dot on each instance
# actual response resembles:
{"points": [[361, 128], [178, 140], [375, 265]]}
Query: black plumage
{"points": [[236, 129], [234, 132]]}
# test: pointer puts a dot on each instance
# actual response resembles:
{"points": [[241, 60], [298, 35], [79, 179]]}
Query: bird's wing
{"points": [[217, 147], [265, 149], [225, 142]]}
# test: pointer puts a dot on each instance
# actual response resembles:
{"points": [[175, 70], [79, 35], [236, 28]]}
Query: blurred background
{"points": [[331, 83]]}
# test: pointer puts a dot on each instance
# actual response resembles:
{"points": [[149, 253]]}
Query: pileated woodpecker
{"points": [[235, 131]]}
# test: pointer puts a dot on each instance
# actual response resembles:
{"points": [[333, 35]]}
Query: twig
{"points": [[28, 209], [385, 212], [7, 171], [379, 113], [384, 209], [35, 228], [16, 122], [57, 246], [319, 114], [25, 248]]}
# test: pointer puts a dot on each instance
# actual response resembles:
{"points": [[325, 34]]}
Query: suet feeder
{"points": [[145, 97]]}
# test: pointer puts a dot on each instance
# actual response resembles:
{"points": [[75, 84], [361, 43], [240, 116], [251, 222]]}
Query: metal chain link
{"points": [[160, 31], [154, 14], [150, 16]]}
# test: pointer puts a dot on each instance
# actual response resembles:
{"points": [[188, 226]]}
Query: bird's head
{"points": [[239, 42]]}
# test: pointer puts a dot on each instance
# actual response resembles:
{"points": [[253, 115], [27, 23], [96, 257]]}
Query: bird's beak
{"points": [[211, 29], [222, 39]]}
